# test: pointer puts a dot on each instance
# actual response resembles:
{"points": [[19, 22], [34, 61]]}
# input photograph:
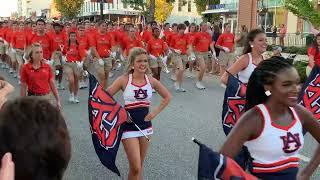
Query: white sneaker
{"points": [[189, 74], [19, 82], [153, 91], [178, 88], [173, 77], [6, 66], [15, 75], [76, 100], [111, 74], [71, 98], [199, 85], [3, 66], [11, 71]]}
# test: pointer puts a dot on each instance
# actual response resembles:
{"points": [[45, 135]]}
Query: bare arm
{"points": [[310, 124], [239, 65], [116, 86], [54, 90], [247, 127], [163, 92], [23, 89]]}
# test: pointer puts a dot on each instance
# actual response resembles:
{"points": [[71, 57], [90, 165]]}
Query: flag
{"points": [[233, 103], [309, 96], [213, 165], [105, 117]]}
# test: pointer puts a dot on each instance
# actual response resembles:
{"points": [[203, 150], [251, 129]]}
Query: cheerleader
{"points": [[137, 87]]}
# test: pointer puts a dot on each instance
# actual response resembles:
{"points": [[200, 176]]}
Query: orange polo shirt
{"points": [[130, 43], [103, 44], [37, 80], [71, 52], [226, 40], [180, 42], [157, 47], [45, 42], [84, 45], [202, 41], [19, 40]]}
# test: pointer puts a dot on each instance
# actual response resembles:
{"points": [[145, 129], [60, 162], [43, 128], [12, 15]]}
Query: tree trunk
{"points": [[151, 10]]}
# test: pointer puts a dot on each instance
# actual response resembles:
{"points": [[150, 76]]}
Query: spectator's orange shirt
{"points": [[180, 42], [156, 47], [166, 35], [57, 41], [19, 40], [191, 36], [146, 36], [313, 52], [37, 80], [45, 41], [84, 45], [226, 40], [129, 43], [8, 36], [202, 41], [71, 52], [103, 44]]}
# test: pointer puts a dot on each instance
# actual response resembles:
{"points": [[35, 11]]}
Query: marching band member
{"points": [[137, 87], [179, 48], [201, 43], [157, 49], [73, 66], [103, 47]]}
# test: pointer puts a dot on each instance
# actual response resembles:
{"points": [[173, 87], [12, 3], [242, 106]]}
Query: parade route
{"points": [[172, 155]]}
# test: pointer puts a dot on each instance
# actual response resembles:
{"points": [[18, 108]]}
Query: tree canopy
{"points": [[305, 9], [69, 8]]}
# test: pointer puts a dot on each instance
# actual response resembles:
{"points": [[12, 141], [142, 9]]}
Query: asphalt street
{"points": [[172, 155]]}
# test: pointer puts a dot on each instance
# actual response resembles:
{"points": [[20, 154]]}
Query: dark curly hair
{"points": [[264, 74], [35, 132]]}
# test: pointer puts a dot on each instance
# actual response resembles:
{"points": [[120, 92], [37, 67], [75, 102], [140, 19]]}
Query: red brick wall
{"points": [[247, 13]]}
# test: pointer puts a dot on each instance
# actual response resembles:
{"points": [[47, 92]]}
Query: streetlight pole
{"points": [[101, 9]]}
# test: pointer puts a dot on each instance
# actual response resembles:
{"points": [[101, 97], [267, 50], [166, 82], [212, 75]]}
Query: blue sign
{"points": [[217, 6]]}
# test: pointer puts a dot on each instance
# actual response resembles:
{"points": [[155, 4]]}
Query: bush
{"points": [[301, 68], [291, 50]]}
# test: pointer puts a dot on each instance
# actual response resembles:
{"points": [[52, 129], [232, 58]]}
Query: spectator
{"points": [[240, 40], [274, 35], [313, 54], [282, 34], [39, 142]]}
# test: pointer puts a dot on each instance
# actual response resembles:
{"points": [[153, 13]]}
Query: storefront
{"points": [[228, 12]]}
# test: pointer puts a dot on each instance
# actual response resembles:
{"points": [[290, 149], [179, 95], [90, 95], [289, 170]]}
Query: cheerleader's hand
{"points": [[150, 116]]}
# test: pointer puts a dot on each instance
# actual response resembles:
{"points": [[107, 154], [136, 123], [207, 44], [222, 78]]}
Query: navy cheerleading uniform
{"points": [[137, 102]]}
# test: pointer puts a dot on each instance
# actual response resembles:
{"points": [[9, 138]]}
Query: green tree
{"points": [[202, 5], [69, 8], [147, 7], [305, 9]]}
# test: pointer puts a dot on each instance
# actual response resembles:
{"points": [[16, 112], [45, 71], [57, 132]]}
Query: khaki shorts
{"points": [[19, 56], [71, 67], [155, 63], [103, 68], [204, 55], [2, 48], [178, 58], [226, 58]]}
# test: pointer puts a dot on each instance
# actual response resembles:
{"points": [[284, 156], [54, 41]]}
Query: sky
{"points": [[7, 7]]}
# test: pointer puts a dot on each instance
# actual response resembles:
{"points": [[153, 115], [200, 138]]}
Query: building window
{"points": [[189, 6], [179, 5]]}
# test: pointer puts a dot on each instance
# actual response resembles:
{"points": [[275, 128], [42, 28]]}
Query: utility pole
{"points": [[101, 10]]}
